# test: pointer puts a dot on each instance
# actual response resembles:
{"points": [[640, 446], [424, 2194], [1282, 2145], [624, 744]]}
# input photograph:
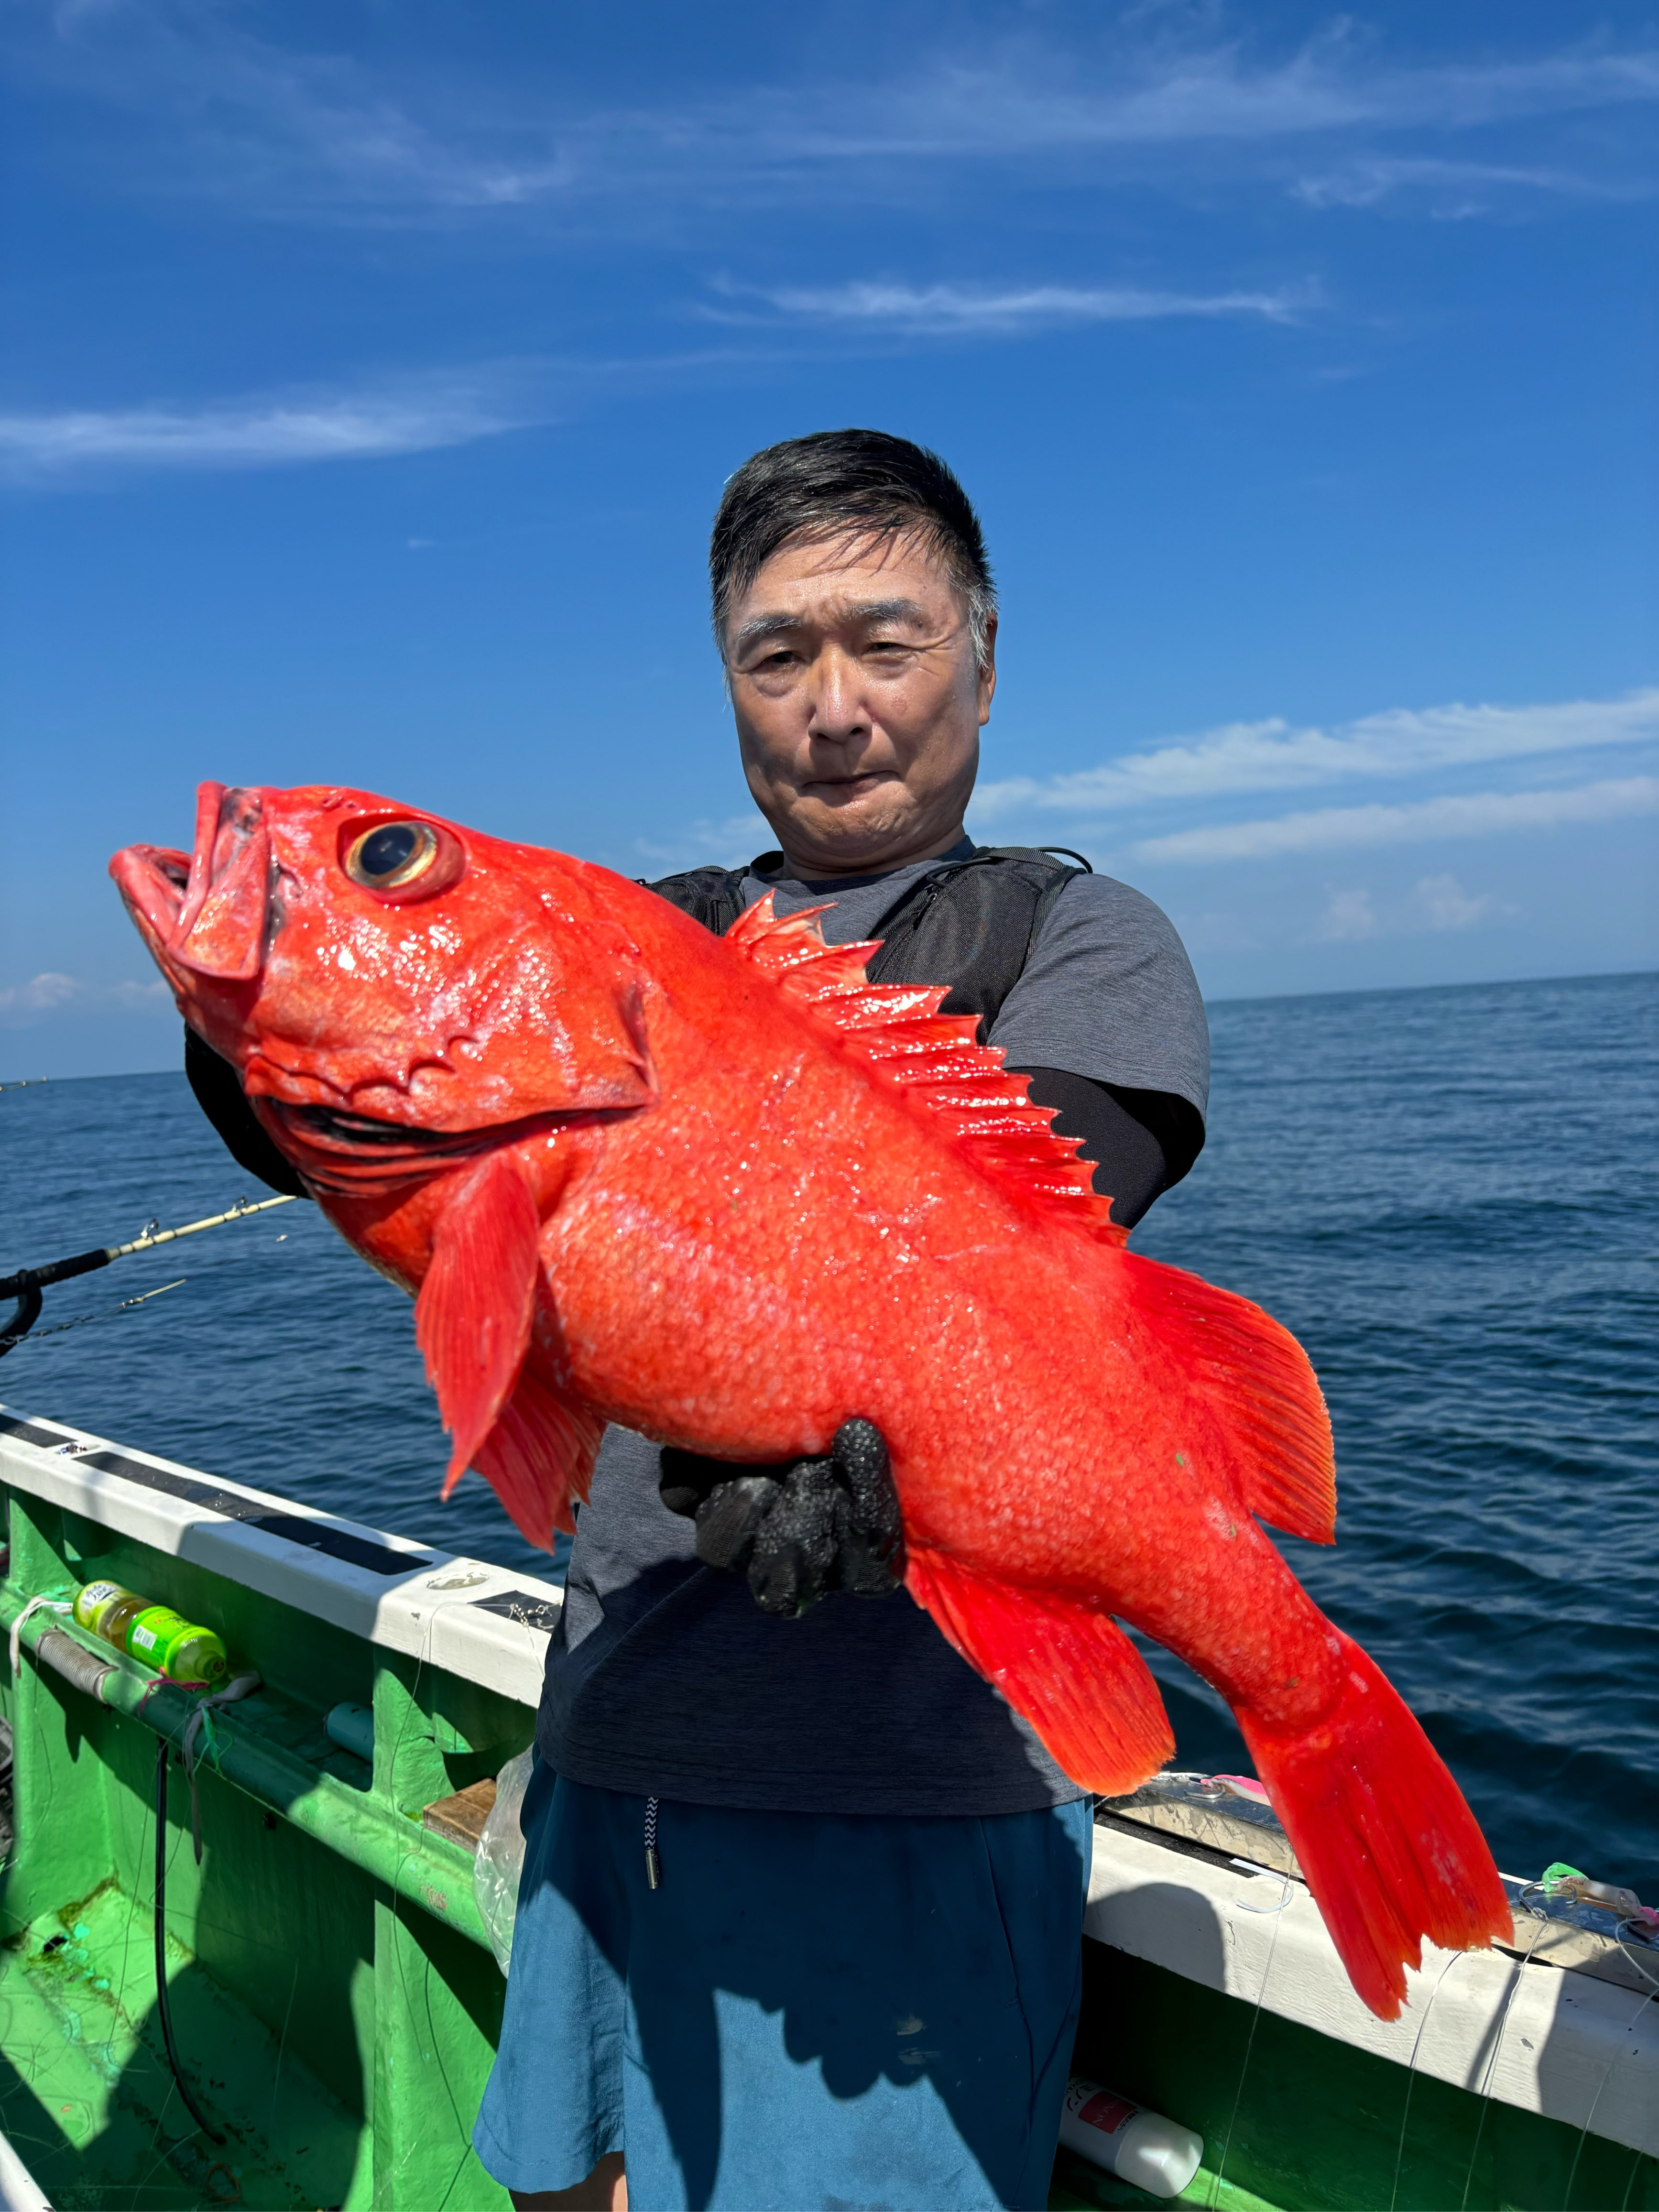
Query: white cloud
{"points": [[1446, 905], [946, 309], [50, 991], [728, 844], [1275, 755], [1477, 814], [1348, 916], [311, 134], [1368, 183], [256, 433]]}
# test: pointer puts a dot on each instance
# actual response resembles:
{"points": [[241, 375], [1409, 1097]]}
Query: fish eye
{"points": [[403, 858], [396, 853]]}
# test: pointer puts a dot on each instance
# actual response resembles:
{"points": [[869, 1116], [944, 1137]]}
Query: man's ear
{"points": [[987, 670]]}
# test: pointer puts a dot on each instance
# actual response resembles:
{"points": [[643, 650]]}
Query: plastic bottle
{"points": [[154, 1635], [97, 1602], [1142, 2148]]}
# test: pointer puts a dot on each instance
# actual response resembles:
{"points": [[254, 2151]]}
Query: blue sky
{"points": [[374, 372]]}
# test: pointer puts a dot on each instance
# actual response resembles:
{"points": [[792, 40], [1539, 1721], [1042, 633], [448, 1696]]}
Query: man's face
{"points": [[859, 704]]}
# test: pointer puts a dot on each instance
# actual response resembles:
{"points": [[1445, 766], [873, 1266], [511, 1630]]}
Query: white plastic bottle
{"points": [[1156, 2154]]}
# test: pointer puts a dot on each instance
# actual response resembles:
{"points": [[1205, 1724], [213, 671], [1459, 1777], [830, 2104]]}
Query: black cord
{"points": [[161, 2006]]}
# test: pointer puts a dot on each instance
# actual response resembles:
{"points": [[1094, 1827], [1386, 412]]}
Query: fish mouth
{"points": [[209, 912], [152, 880], [361, 1136], [357, 1154]]}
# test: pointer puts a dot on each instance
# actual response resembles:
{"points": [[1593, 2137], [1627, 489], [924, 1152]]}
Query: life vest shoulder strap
{"points": [[972, 925]]}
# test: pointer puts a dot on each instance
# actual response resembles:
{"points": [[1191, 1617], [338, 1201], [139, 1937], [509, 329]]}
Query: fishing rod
{"points": [[25, 1285]]}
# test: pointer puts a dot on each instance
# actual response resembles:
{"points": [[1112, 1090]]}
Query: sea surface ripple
{"points": [[1450, 1195]]}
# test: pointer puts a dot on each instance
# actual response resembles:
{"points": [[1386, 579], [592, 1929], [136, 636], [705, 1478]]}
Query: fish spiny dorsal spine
{"points": [[932, 1060]]}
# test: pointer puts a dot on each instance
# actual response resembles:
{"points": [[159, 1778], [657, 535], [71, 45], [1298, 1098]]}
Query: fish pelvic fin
{"points": [[957, 1084], [539, 1456], [1263, 1391], [1066, 1666], [1391, 1851], [472, 1317]]}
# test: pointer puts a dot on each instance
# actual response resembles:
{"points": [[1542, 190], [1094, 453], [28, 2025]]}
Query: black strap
{"points": [[713, 896], [976, 921]]}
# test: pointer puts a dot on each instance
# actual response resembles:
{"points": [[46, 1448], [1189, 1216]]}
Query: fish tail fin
{"points": [[1391, 1851], [1066, 1667]]}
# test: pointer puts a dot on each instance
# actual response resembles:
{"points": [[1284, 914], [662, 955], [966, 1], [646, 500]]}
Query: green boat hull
{"points": [[334, 2001]]}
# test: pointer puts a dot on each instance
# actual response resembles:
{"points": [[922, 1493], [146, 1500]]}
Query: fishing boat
{"points": [[267, 1979]]}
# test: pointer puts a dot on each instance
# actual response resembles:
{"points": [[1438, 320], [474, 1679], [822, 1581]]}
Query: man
{"points": [[800, 1917], [855, 1980]]}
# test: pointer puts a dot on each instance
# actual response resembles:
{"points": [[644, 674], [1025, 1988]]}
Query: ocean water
{"points": [[1450, 1195]]}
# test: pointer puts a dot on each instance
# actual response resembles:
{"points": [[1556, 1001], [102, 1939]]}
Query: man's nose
{"points": [[839, 711]]}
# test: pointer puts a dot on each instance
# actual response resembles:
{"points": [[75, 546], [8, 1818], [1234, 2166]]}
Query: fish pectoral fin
{"points": [[1066, 1667], [1263, 1388], [539, 1456], [472, 1317]]}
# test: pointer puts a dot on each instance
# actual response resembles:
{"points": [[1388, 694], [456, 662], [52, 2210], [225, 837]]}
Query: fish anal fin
{"points": [[1066, 1666], [931, 1059], [1263, 1391], [472, 1317], [539, 1456]]}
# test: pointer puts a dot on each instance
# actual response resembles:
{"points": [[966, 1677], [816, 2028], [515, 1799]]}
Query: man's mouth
{"points": [[848, 787]]}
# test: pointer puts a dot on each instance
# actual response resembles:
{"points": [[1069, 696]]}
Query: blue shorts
{"points": [[808, 2011]]}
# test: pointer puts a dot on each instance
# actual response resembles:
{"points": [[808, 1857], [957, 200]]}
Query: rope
{"points": [[35, 1605], [200, 1725]]}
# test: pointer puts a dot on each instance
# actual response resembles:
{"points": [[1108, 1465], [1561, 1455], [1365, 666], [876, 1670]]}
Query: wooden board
{"points": [[461, 1818]]}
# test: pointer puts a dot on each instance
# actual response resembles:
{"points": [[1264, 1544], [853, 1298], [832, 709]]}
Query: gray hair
{"points": [[854, 483]]}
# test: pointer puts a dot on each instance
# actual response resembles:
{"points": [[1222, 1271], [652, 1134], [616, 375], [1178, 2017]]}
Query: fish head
{"points": [[376, 974]]}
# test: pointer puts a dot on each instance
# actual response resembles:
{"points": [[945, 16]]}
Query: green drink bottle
{"points": [[154, 1635], [176, 1647], [98, 1603]]}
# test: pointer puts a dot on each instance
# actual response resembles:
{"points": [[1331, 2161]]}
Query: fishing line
{"points": [[1624, 2201], [398, 1900], [1625, 1947], [281, 2045], [1411, 2073], [1249, 2045], [1607, 2075], [162, 2006], [83, 1321], [1521, 1966]]}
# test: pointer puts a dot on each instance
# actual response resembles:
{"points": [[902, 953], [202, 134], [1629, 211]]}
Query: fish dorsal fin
{"points": [[959, 1085]]}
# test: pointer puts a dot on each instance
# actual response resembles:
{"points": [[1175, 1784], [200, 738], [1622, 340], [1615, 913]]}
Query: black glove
{"points": [[797, 1531]]}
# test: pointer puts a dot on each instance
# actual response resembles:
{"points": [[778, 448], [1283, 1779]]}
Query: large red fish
{"points": [[727, 1192]]}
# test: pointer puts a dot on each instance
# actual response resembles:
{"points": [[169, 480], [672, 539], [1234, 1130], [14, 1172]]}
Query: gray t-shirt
{"points": [[663, 1676]]}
